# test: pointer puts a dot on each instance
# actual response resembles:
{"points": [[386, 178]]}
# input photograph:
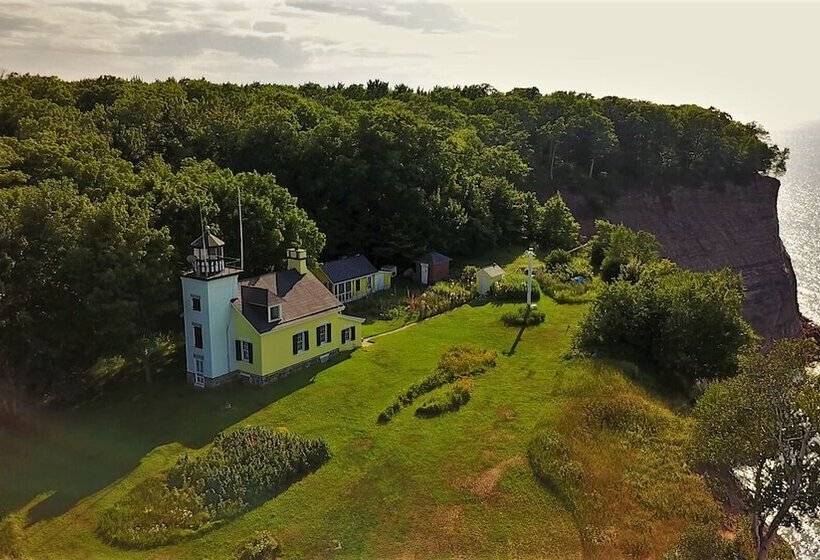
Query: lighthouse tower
{"points": [[207, 291]]}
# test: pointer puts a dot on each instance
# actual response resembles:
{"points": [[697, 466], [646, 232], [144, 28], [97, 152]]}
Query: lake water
{"points": [[799, 213]]}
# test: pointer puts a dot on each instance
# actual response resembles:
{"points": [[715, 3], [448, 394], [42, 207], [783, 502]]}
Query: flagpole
{"points": [[241, 236]]}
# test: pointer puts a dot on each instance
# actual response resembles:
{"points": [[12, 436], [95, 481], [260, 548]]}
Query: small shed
{"points": [[431, 268], [487, 276]]}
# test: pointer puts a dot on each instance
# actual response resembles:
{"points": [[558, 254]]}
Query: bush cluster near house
{"points": [[440, 297], [684, 323], [239, 470], [523, 316], [513, 288], [447, 399], [567, 278], [619, 512], [456, 363]]}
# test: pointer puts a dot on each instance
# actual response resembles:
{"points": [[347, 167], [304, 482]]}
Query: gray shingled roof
{"points": [[300, 295], [493, 270], [213, 241], [348, 268]]}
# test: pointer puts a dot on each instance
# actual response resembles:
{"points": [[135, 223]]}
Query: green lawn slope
{"points": [[458, 485]]}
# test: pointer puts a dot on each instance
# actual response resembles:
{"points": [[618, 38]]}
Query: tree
{"points": [[558, 228], [765, 422]]}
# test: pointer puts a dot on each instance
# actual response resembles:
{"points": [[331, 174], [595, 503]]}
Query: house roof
{"points": [[213, 241], [300, 295], [434, 258], [493, 271], [348, 268]]}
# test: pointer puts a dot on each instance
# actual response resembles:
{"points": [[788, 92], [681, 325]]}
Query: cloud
{"points": [[428, 17], [286, 53], [269, 26], [13, 23]]}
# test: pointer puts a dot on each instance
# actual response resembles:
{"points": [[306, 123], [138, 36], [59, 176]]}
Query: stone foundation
{"points": [[255, 379]]}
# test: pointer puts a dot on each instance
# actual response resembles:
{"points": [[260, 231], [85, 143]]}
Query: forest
{"points": [[103, 183]]}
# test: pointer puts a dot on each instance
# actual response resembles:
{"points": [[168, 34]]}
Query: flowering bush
{"points": [[440, 297]]}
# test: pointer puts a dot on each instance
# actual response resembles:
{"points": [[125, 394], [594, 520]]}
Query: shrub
{"points": [[11, 537], [556, 258], [240, 469], [457, 362], [262, 546], [247, 466], [467, 277], [440, 297], [450, 400], [689, 324], [513, 287], [523, 316], [153, 515]]}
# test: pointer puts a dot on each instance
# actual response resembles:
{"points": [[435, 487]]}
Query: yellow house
{"points": [[288, 319], [259, 328], [352, 278]]}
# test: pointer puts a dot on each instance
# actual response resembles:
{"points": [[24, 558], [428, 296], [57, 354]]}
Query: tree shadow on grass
{"points": [[80, 451]]}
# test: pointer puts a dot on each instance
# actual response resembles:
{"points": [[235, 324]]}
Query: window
{"points": [[199, 380], [244, 351], [199, 364], [274, 313], [344, 291], [196, 303], [323, 334], [300, 342], [197, 335], [348, 334], [358, 284], [369, 283]]}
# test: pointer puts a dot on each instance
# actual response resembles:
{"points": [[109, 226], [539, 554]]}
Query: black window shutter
{"points": [[352, 333], [329, 335], [307, 340], [250, 353], [318, 340], [238, 351], [295, 343]]}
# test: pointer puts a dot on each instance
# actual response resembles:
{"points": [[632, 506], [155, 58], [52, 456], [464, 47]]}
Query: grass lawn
{"points": [[457, 485]]}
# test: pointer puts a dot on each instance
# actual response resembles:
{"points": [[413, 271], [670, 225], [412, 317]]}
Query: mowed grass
{"points": [[457, 485]]}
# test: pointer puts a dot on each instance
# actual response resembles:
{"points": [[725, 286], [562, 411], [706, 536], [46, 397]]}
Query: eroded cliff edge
{"points": [[713, 226]]}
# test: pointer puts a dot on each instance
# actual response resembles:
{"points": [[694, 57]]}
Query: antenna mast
{"points": [[241, 237]]}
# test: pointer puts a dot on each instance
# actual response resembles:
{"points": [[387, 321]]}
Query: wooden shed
{"points": [[432, 267], [487, 276]]}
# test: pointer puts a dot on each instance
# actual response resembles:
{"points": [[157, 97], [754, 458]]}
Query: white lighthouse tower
{"points": [[207, 291]]}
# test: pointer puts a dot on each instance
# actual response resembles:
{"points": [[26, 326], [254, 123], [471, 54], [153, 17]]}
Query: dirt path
{"points": [[369, 340]]}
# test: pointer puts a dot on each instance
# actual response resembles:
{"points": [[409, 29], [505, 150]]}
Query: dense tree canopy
{"points": [[103, 182]]}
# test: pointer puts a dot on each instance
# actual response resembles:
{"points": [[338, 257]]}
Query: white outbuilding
{"points": [[488, 276]]}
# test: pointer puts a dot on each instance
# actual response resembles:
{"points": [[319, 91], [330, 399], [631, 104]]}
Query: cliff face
{"points": [[713, 227]]}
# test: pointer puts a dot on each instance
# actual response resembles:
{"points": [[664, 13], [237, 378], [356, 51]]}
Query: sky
{"points": [[757, 61]]}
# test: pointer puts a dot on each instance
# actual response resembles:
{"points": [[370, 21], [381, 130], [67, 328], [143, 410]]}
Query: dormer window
{"points": [[274, 313]]}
